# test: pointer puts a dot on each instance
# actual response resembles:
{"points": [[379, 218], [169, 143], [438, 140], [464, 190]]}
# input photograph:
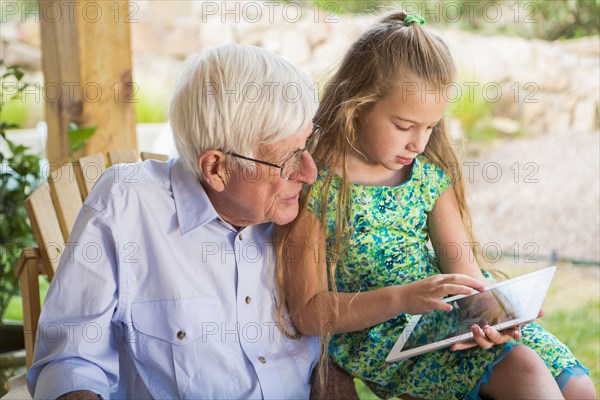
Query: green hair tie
{"points": [[409, 19]]}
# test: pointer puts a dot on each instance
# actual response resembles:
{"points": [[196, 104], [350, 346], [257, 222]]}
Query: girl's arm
{"points": [[312, 305], [449, 238], [453, 250]]}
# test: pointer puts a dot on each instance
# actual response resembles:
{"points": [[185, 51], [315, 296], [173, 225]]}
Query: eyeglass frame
{"points": [[316, 128]]}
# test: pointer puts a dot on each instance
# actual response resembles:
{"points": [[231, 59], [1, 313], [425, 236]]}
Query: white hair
{"points": [[234, 98]]}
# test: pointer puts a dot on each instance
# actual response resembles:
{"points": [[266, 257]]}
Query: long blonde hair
{"points": [[372, 69]]}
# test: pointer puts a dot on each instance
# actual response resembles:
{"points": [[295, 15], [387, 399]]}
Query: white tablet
{"points": [[502, 305]]}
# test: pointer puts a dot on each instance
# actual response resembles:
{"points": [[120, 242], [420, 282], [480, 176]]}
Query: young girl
{"points": [[356, 264]]}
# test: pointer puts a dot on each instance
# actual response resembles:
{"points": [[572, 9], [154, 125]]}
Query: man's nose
{"points": [[308, 170]]}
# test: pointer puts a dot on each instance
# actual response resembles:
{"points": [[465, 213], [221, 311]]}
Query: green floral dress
{"points": [[389, 246]]}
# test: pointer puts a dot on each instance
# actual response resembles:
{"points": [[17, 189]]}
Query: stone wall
{"points": [[533, 86]]}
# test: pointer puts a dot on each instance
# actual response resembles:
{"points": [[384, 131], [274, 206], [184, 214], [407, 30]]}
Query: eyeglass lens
{"points": [[294, 163]]}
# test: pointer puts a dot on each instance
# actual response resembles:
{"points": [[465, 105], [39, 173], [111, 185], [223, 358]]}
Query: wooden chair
{"points": [[153, 156], [122, 156], [52, 209], [89, 169]]}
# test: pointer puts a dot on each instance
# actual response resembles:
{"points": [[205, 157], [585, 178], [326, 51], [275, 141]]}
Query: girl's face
{"points": [[397, 128]]}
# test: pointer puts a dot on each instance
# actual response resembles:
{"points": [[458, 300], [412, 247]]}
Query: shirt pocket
{"points": [[170, 335]]}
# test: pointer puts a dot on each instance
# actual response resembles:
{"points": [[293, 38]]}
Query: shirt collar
{"points": [[192, 204]]}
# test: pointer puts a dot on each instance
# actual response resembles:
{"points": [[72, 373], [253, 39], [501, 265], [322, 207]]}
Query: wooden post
{"points": [[86, 59]]}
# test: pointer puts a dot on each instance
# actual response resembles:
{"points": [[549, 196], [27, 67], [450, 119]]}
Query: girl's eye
{"points": [[403, 129]]}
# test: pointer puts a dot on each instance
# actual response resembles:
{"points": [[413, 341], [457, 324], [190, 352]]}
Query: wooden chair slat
{"points": [[66, 197], [45, 226], [122, 156], [88, 171], [145, 155]]}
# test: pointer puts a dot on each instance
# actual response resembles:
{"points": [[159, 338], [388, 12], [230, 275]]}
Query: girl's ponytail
{"points": [[401, 17], [394, 18]]}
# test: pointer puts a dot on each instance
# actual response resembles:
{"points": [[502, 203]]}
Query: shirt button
{"points": [[219, 221], [181, 335], [262, 360], [241, 236], [248, 300]]}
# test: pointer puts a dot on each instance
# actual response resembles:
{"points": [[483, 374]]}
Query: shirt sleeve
{"points": [[76, 345], [443, 182], [434, 181]]}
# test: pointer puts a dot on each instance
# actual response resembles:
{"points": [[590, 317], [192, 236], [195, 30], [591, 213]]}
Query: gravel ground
{"points": [[539, 196]]}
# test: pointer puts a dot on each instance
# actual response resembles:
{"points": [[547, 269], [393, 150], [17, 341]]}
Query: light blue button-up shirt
{"points": [[156, 296]]}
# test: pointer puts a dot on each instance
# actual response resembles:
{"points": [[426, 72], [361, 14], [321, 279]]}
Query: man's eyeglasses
{"points": [[293, 163]]}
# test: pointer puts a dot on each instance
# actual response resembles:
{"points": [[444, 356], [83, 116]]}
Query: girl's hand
{"points": [[424, 296], [488, 336]]}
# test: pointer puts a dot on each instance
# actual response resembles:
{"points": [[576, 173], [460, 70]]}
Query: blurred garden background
{"points": [[524, 115]]}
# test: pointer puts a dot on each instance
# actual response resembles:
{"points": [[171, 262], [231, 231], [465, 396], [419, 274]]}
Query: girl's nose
{"points": [[419, 141]]}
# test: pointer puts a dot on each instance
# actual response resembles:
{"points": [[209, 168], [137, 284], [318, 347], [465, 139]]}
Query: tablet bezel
{"points": [[397, 353]]}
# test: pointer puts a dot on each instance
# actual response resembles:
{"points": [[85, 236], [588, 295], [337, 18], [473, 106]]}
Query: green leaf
{"points": [[6, 125], [78, 136], [16, 72]]}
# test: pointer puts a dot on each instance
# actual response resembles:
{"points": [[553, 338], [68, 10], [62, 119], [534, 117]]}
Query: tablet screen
{"points": [[491, 307]]}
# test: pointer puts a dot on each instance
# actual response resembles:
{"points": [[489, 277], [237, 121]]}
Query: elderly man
{"points": [[167, 286]]}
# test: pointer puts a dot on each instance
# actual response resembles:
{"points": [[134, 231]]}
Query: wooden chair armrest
{"points": [[28, 269], [27, 255]]}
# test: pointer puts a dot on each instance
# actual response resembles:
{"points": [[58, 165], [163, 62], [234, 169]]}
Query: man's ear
{"points": [[212, 165]]}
